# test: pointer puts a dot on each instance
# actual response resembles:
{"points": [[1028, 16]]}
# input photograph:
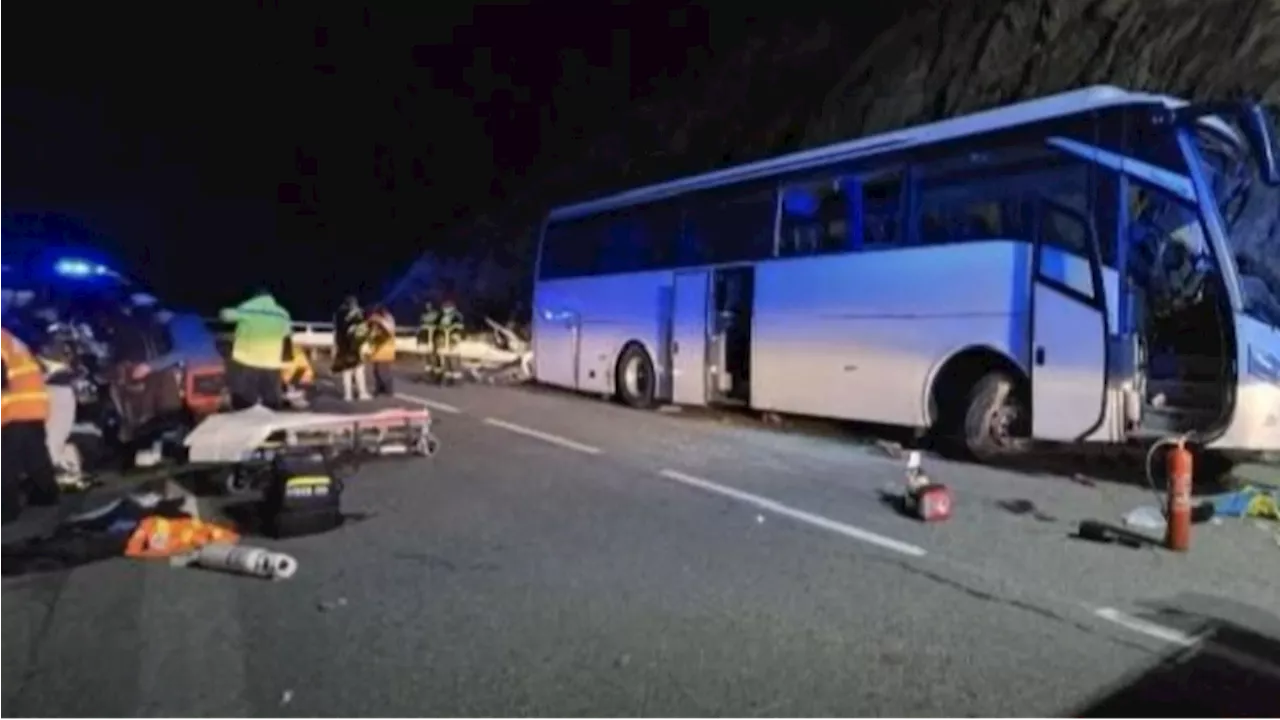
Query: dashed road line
{"points": [[1146, 627], [426, 402], [818, 521], [545, 437]]}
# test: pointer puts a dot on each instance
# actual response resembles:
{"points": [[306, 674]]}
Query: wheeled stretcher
{"points": [[240, 448]]}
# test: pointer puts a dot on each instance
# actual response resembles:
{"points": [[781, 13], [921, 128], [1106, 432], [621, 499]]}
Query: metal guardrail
{"points": [[315, 336], [319, 336]]}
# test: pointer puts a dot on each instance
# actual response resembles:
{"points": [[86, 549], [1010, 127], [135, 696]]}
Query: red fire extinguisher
{"points": [[1178, 468]]}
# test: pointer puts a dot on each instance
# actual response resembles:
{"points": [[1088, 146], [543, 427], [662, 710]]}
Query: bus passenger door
{"points": [[1069, 327], [555, 352], [689, 311]]}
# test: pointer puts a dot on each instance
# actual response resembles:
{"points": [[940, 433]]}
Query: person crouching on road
{"points": [[28, 469], [253, 375], [382, 335], [350, 339]]}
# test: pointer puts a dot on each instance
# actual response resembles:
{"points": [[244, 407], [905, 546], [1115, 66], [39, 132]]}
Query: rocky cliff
{"points": [[792, 85]]}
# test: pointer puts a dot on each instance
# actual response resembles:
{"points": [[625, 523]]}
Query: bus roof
{"points": [[1008, 116]]}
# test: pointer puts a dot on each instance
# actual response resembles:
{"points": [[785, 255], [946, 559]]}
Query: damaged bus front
{"points": [[1211, 321]]}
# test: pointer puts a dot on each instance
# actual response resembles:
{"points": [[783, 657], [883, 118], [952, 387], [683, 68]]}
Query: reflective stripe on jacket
{"points": [[384, 345], [25, 396]]}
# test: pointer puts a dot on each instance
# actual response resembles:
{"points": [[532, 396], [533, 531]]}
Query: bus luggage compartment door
{"points": [[1069, 328], [689, 309], [555, 351]]}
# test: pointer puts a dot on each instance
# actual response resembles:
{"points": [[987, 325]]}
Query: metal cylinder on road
{"points": [[1178, 468]]}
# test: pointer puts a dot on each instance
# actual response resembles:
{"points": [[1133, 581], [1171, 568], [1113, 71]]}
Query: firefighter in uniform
{"points": [[382, 336], [450, 334], [428, 326], [28, 469]]}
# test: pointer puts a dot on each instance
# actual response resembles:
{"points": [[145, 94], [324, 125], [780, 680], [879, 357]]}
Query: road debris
{"points": [[924, 499], [1022, 506], [1145, 517], [890, 449], [327, 605], [1099, 532], [1250, 501], [246, 560], [1085, 480]]}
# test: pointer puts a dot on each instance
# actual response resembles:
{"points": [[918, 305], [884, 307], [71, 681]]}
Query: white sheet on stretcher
{"points": [[231, 437]]}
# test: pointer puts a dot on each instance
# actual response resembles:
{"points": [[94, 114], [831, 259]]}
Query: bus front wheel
{"points": [[635, 379], [994, 417]]}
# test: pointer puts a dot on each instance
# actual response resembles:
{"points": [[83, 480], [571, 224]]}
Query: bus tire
{"points": [[635, 380], [992, 414]]}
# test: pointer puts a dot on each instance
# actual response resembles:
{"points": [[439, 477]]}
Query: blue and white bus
{"points": [[1086, 267]]}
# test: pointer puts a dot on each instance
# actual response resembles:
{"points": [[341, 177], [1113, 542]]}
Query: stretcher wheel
{"points": [[236, 482], [426, 445]]}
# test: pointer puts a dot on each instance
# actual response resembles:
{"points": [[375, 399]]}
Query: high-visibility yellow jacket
{"points": [[25, 397], [297, 368], [261, 327]]}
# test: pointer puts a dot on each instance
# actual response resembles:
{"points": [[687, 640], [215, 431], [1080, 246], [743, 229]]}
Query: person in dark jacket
{"points": [[350, 349]]}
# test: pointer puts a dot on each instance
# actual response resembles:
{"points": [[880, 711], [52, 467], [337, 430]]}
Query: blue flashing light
{"points": [[77, 268]]}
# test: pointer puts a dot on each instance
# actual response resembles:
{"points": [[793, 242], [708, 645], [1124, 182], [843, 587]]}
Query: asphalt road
{"points": [[564, 556]]}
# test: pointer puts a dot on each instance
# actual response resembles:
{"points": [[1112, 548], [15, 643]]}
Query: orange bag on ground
{"points": [[162, 537]]}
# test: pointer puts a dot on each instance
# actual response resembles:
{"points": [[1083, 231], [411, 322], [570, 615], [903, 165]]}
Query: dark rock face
{"points": [[795, 85], [967, 56]]}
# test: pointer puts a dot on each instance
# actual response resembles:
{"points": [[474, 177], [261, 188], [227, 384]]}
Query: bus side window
{"points": [[1065, 252], [567, 250], [816, 219], [970, 211], [881, 210], [635, 239], [729, 228]]}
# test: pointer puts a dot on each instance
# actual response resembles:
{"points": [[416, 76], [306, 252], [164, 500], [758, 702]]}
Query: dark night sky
{"points": [[182, 139]]}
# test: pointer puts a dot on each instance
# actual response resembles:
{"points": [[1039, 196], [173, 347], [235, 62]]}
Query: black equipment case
{"points": [[303, 495]]}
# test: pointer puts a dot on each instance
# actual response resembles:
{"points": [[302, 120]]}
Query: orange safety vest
{"points": [[161, 537], [25, 396], [385, 349]]}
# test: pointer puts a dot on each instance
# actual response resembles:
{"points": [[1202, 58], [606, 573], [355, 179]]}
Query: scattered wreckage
{"points": [[500, 355], [91, 329]]}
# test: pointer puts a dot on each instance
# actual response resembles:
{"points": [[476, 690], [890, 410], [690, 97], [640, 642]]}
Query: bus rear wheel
{"points": [[635, 380], [994, 418]]}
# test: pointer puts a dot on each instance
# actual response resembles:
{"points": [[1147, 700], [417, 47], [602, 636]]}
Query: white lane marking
{"points": [[808, 518], [433, 404], [1146, 627], [545, 437]]}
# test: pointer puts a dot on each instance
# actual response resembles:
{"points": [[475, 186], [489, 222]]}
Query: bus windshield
{"points": [[1250, 212]]}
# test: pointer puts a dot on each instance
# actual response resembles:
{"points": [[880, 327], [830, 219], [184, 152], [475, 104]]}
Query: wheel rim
{"points": [[236, 482], [1004, 421], [635, 377]]}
